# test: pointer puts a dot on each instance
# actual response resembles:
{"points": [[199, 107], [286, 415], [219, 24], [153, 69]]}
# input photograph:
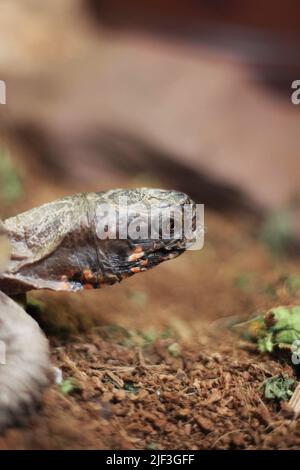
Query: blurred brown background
{"points": [[193, 95]]}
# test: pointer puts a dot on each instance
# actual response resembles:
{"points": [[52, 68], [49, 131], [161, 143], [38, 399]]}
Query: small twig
{"points": [[224, 435], [141, 358]]}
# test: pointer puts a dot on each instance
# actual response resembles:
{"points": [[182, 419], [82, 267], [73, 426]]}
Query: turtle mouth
{"points": [[146, 254], [163, 254], [141, 260]]}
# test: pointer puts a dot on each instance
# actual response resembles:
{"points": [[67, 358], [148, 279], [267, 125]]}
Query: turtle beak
{"points": [[146, 255]]}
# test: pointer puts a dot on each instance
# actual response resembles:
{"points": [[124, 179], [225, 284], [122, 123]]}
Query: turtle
{"points": [[72, 244]]}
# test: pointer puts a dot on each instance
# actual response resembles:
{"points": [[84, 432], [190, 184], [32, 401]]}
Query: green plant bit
{"points": [[280, 387], [67, 386], [278, 328]]}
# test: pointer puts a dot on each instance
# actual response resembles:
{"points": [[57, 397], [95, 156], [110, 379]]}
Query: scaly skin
{"points": [[57, 247]]}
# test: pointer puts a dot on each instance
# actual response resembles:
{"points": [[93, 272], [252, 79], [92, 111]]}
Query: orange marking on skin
{"points": [[135, 256], [135, 270], [87, 275], [88, 286], [65, 285]]}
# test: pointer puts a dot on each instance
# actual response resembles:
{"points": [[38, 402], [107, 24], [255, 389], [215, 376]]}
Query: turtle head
{"points": [[141, 228]]}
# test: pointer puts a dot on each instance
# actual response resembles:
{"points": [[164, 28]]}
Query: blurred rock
{"points": [[104, 107]]}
